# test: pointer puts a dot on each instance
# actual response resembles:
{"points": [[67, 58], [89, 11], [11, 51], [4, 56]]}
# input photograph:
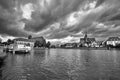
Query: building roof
{"points": [[91, 39], [113, 39], [99, 41], [38, 38], [88, 39], [23, 39], [82, 39]]}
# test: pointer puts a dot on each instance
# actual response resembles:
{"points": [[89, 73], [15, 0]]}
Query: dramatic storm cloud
{"points": [[60, 19]]}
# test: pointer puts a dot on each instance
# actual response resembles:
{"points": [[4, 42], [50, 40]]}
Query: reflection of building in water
{"points": [[1, 65]]}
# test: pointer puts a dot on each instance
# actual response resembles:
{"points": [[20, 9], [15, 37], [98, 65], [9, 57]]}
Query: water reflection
{"points": [[1, 65], [62, 64]]}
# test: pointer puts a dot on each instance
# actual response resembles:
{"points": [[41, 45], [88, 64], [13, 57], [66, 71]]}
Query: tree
{"points": [[75, 45], [48, 44], [37, 43], [40, 43], [5, 43], [30, 37], [9, 41]]}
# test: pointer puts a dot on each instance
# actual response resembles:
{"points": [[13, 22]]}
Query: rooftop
{"points": [[113, 39], [88, 39], [38, 37], [23, 39]]}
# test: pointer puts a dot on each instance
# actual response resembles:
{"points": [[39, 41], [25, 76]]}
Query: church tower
{"points": [[85, 37]]}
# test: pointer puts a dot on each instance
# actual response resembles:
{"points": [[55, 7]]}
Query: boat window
{"points": [[27, 44]]}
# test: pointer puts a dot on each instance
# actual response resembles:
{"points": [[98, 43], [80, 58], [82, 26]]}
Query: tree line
{"points": [[38, 43]]}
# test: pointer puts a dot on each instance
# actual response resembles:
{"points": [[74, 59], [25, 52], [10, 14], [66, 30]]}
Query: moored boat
{"points": [[22, 45]]}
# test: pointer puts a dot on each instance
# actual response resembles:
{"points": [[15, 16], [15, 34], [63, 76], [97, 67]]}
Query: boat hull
{"points": [[21, 51]]}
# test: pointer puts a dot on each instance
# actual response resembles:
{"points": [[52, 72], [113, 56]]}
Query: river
{"points": [[62, 64]]}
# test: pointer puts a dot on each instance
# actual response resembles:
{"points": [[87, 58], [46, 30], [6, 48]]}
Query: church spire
{"points": [[85, 35]]}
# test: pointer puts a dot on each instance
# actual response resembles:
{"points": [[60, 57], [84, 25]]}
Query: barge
{"points": [[22, 45]]}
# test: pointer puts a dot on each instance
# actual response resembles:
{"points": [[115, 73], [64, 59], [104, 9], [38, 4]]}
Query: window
{"points": [[27, 44]]}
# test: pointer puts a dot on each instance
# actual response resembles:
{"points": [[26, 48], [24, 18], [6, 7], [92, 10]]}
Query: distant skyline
{"points": [[59, 20]]}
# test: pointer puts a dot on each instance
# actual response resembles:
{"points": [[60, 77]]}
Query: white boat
{"points": [[22, 45]]}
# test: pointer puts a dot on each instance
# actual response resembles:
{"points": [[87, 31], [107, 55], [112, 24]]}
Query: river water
{"points": [[62, 64]]}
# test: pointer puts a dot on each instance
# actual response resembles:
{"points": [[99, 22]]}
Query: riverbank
{"points": [[92, 48], [81, 48], [87, 48], [2, 55]]}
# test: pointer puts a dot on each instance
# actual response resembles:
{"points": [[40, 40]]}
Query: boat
{"points": [[22, 45]]}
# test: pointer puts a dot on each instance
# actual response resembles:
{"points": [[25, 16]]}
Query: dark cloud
{"points": [[39, 22], [108, 15], [104, 16], [5, 29], [58, 35], [7, 4], [57, 11], [117, 17], [11, 16], [99, 2]]}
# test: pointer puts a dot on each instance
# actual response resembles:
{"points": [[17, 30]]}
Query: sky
{"points": [[59, 20]]}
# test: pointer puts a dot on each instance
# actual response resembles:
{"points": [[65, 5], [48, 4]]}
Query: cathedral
{"points": [[86, 42]]}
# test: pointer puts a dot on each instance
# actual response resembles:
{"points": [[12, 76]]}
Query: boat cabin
{"points": [[23, 45]]}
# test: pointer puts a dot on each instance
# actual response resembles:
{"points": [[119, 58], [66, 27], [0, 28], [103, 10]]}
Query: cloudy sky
{"points": [[59, 20]]}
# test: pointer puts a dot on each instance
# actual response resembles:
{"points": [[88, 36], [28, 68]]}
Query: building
{"points": [[86, 42], [97, 44], [70, 45], [23, 45], [113, 41]]}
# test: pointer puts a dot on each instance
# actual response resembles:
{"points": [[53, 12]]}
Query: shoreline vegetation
{"points": [[40, 43]]}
